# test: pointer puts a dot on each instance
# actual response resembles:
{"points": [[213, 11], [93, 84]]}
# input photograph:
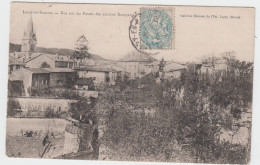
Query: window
{"points": [[18, 66], [107, 79], [80, 86], [11, 68]]}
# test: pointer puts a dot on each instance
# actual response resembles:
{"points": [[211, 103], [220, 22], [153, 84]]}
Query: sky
{"points": [[108, 36]]}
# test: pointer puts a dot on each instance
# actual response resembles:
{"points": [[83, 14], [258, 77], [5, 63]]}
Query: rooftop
{"points": [[13, 61], [173, 66], [37, 70], [50, 70], [96, 68], [51, 56], [58, 70], [137, 57]]}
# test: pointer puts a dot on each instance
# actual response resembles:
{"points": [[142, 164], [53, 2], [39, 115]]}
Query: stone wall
{"points": [[40, 105]]}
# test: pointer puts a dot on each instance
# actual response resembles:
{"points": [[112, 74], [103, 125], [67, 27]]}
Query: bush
{"points": [[209, 102]]}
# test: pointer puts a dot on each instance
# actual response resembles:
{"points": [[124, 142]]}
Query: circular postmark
{"points": [[134, 34], [151, 30]]}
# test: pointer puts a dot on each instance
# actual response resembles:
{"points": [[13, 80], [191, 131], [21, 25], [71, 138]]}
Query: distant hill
{"points": [[61, 51], [136, 56], [14, 48]]}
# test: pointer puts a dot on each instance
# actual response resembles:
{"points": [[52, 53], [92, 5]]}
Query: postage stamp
{"points": [[157, 28]]}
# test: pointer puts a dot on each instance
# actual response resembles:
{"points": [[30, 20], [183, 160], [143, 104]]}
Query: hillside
{"points": [[137, 56], [60, 51]]}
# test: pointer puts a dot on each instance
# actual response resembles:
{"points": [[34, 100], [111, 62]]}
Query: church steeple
{"points": [[29, 40]]}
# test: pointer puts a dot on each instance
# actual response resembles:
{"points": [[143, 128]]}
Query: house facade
{"points": [[99, 74], [84, 84], [40, 78], [14, 65], [134, 63], [61, 77], [51, 61], [173, 70]]}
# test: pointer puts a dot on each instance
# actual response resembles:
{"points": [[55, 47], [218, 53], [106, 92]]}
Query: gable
{"points": [[37, 62]]}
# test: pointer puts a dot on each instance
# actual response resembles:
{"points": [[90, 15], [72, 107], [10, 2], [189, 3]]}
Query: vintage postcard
{"points": [[130, 82]]}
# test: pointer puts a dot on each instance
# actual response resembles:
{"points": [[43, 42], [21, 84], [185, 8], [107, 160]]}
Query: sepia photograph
{"points": [[146, 83]]}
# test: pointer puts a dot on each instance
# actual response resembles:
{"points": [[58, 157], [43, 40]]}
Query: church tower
{"points": [[29, 40]]}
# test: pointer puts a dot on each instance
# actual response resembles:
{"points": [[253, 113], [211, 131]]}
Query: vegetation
{"points": [[81, 48], [190, 111], [54, 93]]}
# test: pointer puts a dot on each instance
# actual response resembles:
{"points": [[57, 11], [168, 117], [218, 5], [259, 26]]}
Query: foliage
{"points": [[54, 92], [51, 113], [12, 107], [83, 110], [190, 111], [81, 48]]}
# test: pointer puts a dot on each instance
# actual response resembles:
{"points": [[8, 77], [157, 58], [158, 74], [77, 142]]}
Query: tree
{"points": [[81, 48]]}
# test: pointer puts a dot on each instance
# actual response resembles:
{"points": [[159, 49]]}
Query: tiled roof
{"points": [[50, 70], [13, 61], [96, 68], [51, 56], [137, 57], [59, 57], [60, 70], [37, 70], [173, 67]]}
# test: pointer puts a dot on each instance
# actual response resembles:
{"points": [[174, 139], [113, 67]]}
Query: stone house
{"points": [[14, 65], [173, 70], [99, 74], [61, 77], [36, 78], [84, 84], [135, 63], [51, 61], [39, 78]]}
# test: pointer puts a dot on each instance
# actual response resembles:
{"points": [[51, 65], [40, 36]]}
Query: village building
{"points": [[173, 70], [51, 61], [14, 65], [219, 65], [33, 59], [135, 63], [61, 77], [40, 78], [121, 72], [99, 74], [84, 84], [31, 78]]}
